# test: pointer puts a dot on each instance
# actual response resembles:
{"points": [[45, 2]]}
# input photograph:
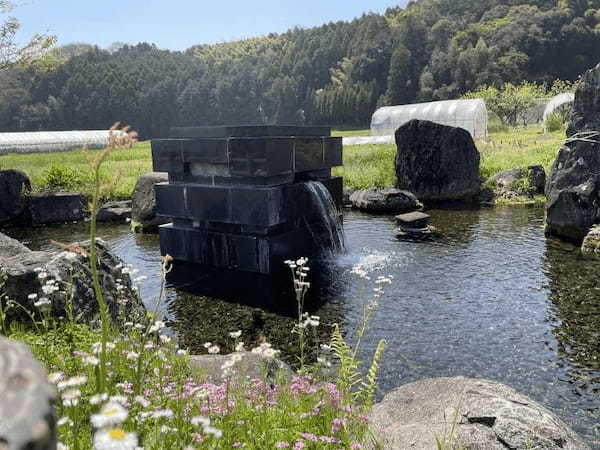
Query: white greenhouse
{"points": [[51, 141], [468, 114], [559, 103]]}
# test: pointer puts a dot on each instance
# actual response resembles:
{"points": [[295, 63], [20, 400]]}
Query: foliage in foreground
{"points": [[127, 384]]}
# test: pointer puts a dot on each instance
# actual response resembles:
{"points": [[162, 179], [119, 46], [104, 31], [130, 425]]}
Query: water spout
{"points": [[329, 216]]}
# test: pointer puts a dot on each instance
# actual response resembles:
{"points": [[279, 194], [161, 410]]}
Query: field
{"points": [[364, 166]]}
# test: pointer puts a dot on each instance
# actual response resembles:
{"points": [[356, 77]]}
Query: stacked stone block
{"points": [[237, 196]]}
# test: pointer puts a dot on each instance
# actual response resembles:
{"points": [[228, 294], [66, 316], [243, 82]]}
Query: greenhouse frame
{"points": [[52, 141], [470, 115]]}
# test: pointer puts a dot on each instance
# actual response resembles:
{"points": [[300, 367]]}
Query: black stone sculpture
{"points": [[245, 197]]}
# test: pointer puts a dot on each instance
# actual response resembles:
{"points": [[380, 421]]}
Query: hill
{"points": [[335, 74]]}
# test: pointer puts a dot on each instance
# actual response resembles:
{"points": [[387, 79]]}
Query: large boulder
{"points": [[485, 415], [27, 272], [437, 162], [573, 188], [384, 201], [27, 419], [14, 189], [143, 208]]}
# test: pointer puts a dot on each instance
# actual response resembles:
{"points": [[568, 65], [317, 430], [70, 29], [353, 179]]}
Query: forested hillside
{"points": [[334, 74]]}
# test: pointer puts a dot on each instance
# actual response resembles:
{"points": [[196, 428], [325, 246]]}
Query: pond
{"points": [[492, 298]]}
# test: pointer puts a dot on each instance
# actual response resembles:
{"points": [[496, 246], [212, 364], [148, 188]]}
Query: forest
{"points": [[336, 74]]}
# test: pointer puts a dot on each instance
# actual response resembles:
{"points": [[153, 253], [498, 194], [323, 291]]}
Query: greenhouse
{"points": [[561, 104], [52, 141], [468, 114]]}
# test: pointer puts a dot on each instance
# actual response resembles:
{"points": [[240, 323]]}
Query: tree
{"points": [[510, 101], [400, 88], [11, 52]]}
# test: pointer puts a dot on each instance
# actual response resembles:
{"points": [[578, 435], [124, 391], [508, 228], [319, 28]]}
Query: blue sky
{"points": [[178, 24]]}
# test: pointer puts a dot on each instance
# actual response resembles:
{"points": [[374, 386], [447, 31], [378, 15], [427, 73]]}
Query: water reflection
{"points": [[491, 298]]}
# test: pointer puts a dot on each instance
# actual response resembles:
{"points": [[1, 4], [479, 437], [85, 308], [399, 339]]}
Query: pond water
{"points": [[491, 298]]}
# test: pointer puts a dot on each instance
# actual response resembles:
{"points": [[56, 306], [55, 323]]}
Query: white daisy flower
{"points": [[236, 334], [111, 414], [115, 439]]}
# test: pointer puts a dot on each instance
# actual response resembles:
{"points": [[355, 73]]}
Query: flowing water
{"points": [[491, 298]]}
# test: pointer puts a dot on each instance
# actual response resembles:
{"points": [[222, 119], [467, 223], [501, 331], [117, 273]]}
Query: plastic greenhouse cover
{"points": [[470, 115], [52, 141], [557, 101]]}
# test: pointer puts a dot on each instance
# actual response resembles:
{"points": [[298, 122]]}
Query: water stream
{"points": [[493, 298]]}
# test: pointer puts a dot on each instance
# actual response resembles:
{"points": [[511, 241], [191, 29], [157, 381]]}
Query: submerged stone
{"points": [[58, 207], [384, 201]]}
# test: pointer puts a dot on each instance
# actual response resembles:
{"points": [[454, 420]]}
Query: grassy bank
{"points": [[70, 170], [364, 166], [373, 165]]}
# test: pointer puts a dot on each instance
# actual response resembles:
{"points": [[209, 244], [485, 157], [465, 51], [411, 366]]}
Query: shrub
{"points": [[58, 177]]}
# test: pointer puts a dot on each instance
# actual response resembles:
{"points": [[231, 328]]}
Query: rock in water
{"points": [[437, 162], [573, 189], [143, 209], [21, 266], [26, 400], [487, 416], [115, 211], [384, 201], [14, 187], [58, 207], [590, 248]]}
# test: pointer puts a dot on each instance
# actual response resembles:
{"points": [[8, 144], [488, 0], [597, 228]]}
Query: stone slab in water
{"points": [[211, 161], [260, 254], [415, 219], [27, 418], [248, 131], [255, 206], [56, 208]]}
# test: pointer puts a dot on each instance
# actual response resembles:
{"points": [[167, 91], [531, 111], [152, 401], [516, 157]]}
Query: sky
{"points": [[179, 24]]}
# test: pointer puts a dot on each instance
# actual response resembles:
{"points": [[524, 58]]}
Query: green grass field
{"points": [[364, 166]]}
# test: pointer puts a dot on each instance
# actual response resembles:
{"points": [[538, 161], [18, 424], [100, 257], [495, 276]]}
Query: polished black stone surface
{"points": [[249, 131]]}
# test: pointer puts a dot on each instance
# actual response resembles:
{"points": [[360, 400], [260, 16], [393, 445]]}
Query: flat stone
{"points": [[26, 400], [384, 201], [56, 208], [415, 219], [115, 211], [590, 248]]}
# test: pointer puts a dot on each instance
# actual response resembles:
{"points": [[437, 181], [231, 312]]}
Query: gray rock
{"points": [[249, 366], [27, 418], [590, 248], [573, 188], [486, 415], [437, 162], [143, 210], [14, 188], [347, 193], [385, 201], [71, 271], [115, 211], [57, 207], [526, 181]]}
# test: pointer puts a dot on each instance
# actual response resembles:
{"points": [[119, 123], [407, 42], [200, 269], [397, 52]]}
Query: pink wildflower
{"points": [[310, 437], [282, 444]]}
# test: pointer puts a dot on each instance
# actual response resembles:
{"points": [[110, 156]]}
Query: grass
{"points": [[131, 164], [373, 165], [364, 166]]}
